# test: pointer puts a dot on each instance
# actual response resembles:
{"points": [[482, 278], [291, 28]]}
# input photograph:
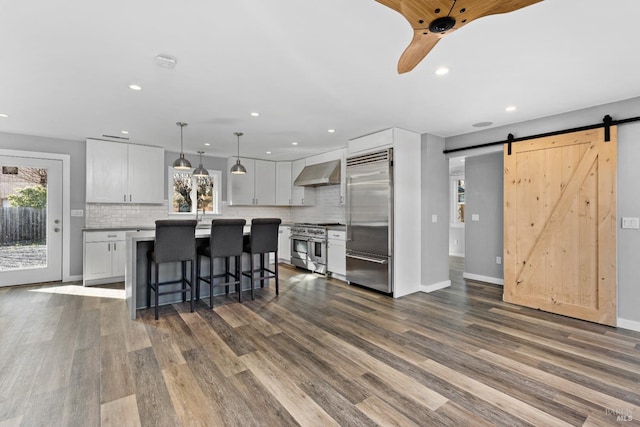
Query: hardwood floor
{"points": [[321, 353]]}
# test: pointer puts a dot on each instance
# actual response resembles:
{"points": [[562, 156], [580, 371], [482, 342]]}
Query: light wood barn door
{"points": [[560, 225]]}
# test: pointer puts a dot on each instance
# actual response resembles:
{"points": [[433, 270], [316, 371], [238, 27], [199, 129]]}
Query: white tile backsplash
{"points": [[326, 209], [116, 215]]}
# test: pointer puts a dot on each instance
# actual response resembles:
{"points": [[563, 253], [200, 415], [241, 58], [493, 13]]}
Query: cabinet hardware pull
{"points": [[109, 247], [129, 197], [124, 198]]}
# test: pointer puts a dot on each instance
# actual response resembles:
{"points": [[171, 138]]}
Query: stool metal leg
{"points": [[276, 272], [193, 271], [157, 297]]}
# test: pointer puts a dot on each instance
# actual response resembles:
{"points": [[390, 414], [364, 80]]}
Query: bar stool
{"points": [[225, 242], [175, 242], [262, 241]]}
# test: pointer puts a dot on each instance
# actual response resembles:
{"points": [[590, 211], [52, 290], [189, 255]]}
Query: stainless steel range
{"points": [[309, 246]]}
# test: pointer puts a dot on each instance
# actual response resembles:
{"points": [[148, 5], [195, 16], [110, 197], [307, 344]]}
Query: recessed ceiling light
{"points": [[510, 108], [331, 131], [207, 144], [268, 152], [255, 114], [482, 124], [4, 115], [135, 87], [294, 143], [124, 132], [442, 71]]}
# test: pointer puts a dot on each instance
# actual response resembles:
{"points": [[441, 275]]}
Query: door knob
{"points": [[56, 229], [57, 221]]}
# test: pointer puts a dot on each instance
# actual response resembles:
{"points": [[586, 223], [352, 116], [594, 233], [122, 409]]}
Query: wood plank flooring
{"points": [[321, 353]]}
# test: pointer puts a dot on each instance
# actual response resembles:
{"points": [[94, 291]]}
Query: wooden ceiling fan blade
{"points": [[419, 47], [433, 19]]}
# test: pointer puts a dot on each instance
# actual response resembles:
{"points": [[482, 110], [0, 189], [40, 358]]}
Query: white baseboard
{"points": [[629, 324], [435, 286], [486, 279], [457, 255], [72, 278]]}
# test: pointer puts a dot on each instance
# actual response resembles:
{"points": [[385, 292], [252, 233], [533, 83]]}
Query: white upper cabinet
{"points": [[106, 172], [240, 188], [146, 174], [123, 173], [283, 183], [265, 183], [256, 187], [301, 196]]}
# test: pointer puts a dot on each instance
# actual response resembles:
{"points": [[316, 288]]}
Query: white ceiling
{"points": [[306, 66]]}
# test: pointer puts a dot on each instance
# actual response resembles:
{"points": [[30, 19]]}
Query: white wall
{"points": [[436, 200], [628, 178], [483, 238]]}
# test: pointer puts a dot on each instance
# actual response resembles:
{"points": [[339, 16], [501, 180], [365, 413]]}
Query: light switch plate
{"points": [[77, 212], [475, 217], [434, 218], [632, 223]]}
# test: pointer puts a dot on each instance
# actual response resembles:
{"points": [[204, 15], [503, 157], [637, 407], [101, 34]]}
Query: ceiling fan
{"points": [[431, 20]]}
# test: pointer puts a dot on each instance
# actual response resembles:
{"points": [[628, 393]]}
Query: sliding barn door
{"points": [[560, 225]]}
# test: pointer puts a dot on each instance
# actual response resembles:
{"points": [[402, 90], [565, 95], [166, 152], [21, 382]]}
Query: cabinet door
{"points": [[146, 174], [265, 183], [283, 183], [118, 258], [284, 244], [97, 261], [106, 171], [336, 256], [240, 188]]}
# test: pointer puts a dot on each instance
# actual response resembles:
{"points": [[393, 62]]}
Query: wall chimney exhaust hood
{"points": [[327, 173]]}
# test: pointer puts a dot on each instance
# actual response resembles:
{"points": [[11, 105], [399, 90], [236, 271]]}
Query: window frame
{"points": [[216, 175], [454, 200]]}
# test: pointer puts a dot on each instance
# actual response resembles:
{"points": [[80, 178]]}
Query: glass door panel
{"points": [[30, 220]]}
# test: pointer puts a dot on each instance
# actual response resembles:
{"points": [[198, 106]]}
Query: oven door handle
{"points": [[318, 240]]}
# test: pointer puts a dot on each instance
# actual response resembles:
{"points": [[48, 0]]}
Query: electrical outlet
{"points": [[498, 260], [77, 212]]}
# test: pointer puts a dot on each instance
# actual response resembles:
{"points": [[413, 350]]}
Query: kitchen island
{"points": [[138, 243]]}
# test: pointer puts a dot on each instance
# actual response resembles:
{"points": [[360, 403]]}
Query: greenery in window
{"points": [[191, 193], [460, 200]]}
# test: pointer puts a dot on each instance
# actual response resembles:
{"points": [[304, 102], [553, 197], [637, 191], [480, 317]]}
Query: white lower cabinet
{"points": [[336, 253], [104, 257], [284, 244]]}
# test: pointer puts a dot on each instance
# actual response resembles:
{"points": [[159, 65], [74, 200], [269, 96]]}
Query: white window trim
{"points": [[217, 200]]}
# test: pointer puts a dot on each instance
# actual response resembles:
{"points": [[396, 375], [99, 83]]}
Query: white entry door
{"points": [[30, 220]]}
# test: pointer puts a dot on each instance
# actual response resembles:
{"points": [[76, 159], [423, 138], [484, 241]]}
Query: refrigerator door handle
{"points": [[365, 258]]}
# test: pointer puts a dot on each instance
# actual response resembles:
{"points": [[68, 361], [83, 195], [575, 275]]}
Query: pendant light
{"points": [[238, 169], [181, 162], [200, 171]]}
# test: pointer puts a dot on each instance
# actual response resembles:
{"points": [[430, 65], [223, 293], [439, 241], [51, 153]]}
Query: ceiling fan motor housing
{"points": [[440, 25]]}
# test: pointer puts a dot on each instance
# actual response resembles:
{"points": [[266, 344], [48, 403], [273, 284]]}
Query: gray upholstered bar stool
{"points": [[175, 242], [225, 242], [262, 241]]}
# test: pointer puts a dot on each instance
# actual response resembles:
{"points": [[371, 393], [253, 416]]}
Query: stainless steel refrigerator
{"points": [[370, 220]]}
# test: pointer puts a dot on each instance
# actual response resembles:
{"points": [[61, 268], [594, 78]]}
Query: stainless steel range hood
{"points": [[327, 173]]}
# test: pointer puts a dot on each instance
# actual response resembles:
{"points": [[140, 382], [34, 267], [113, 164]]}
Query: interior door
{"points": [[560, 225], [30, 220]]}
